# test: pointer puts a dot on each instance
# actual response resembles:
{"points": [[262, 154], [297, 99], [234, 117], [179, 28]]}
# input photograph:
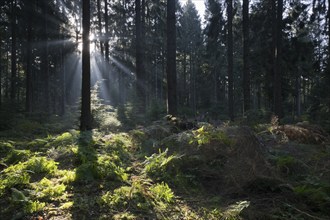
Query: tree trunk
{"points": [[278, 62], [140, 89], [86, 118], [246, 48], [171, 59], [62, 79], [45, 61], [99, 20], [0, 73], [7, 76], [106, 40], [328, 75], [230, 60], [185, 102], [29, 80], [298, 95], [13, 52], [329, 40]]}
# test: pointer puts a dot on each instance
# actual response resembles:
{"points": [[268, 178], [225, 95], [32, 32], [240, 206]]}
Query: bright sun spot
{"points": [[91, 44]]}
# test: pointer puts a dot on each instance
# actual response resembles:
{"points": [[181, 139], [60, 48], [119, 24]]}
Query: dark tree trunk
{"points": [[99, 20], [0, 73], [230, 60], [140, 84], [106, 24], [171, 59], [246, 48], [298, 95], [29, 80], [45, 61], [62, 79], [328, 75], [86, 118], [13, 52], [329, 40], [278, 62], [273, 55], [184, 93]]}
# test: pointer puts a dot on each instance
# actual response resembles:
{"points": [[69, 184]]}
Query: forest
{"points": [[158, 109]]}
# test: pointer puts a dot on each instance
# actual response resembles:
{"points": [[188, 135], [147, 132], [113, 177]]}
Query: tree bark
{"points": [[298, 95], [45, 61], [246, 63], [62, 78], [278, 62], [13, 52], [140, 84], [86, 118], [171, 59], [29, 80], [0, 73], [99, 20], [106, 24], [230, 60]]}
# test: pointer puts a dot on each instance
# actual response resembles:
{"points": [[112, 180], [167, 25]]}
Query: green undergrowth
{"points": [[152, 173]]}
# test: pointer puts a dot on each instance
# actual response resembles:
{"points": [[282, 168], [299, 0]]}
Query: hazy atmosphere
{"points": [[167, 109]]}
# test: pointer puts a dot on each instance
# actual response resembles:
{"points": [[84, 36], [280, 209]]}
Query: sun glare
{"points": [[91, 44]]}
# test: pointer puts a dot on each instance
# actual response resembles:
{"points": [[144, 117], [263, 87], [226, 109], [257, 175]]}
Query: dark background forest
{"points": [[126, 108], [269, 58]]}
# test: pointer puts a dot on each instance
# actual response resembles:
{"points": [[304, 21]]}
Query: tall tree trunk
{"points": [[246, 48], [45, 61], [13, 52], [230, 60], [29, 80], [273, 55], [0, 72], [144, 79], [62, 78], [7, 76], [140, 84], [99, 20], [329, 40], [106, 24], [185, 101], [298, 95], [171, 59], [278, 62], [86, 118], [328, 75], [106, 71]]}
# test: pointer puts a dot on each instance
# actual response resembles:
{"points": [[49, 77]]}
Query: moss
{"points": [[64, 139]]}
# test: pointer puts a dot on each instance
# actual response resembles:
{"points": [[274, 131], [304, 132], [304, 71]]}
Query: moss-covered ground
{"points": [[164, 171]]}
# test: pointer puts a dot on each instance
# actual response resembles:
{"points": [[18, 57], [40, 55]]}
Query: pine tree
{"points": [[171, 59], [86, 118]]}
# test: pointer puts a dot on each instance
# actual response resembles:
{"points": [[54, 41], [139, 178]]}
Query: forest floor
{"points": [[170, 169]]}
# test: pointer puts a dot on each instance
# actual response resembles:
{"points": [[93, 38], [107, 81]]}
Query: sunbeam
{"points": [[121, 66]]}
